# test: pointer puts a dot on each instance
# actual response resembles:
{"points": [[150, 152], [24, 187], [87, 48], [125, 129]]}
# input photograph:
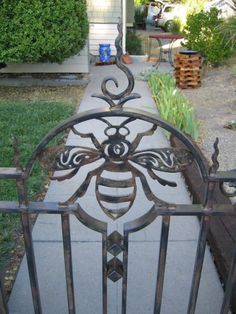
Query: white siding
{"points": [[76, 64], [102, 34], [104, 11]]}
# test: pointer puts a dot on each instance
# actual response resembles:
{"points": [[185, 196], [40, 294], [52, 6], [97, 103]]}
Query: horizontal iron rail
{"points": [[11, 173], [223, 176], [220, 176], [172, 210]]}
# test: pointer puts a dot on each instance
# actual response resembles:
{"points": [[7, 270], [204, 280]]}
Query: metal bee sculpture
{"points": [[119, 155]]}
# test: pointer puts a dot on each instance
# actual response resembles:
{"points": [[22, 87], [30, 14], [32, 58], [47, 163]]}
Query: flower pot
{"points": [[126, 59]]}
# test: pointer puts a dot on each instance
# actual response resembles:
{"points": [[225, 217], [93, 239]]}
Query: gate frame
{"points": [[116, 243]]}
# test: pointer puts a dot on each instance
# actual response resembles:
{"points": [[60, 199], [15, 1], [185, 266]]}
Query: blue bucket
{"points": [[104, 52]]}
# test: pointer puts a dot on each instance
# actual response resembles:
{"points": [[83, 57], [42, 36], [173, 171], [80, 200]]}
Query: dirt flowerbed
{"points": [[215, 105], [71, 94]]}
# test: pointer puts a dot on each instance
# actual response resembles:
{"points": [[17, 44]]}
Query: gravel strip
{"points": [[215, 105]]}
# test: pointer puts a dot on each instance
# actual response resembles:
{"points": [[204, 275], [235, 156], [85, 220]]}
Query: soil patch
{"points": [[215, 105], [72, 94]]}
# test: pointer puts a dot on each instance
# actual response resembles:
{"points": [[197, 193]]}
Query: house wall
{"points": [[75, 64], [103, 17], [102, 33], [104, 11]]}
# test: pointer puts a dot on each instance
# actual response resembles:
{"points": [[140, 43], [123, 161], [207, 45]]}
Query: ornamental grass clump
{"points": [[42, 31], [228, 31], [172, 105]]}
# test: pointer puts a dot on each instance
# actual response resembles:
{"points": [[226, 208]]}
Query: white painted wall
{"points": [[76, 64], [104, 11], [102, 33]]}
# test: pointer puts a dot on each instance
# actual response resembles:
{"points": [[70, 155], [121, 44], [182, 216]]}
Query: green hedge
{"points": [[42, 31]]}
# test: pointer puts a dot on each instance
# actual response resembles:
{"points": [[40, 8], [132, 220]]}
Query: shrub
{"points": [[41, 31], [139, 2], [201, 34], [172, 105], [139, 18], [176, 26], [133, 43], [228, 31]]}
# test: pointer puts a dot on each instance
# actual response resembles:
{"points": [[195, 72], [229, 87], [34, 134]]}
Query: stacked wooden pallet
{"points": [[188, 70]]}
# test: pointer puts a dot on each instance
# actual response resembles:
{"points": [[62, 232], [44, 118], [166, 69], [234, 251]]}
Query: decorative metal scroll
{"points": [[116, 153], [127, 94], [228, 189], [119, 155]]}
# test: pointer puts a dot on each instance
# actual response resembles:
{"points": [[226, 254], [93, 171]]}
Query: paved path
{"points": [[143, 246]]}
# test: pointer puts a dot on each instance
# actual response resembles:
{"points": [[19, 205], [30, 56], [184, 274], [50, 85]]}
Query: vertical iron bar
{"points": [[198, 264], [229, 286], [65, 220], [104, 273], [149, 48], [125, 273], [3, 303], [28, 241], [161, 263], [29, 250]]}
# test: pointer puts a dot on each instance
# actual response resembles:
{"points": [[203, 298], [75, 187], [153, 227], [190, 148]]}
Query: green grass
{"points": [[29, 122]]}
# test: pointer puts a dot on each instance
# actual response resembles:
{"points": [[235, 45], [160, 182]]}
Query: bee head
{"points": [[116, 146]]}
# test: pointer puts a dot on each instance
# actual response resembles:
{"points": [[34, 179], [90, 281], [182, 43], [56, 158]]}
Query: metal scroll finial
{"points": [[228, 188], [214, 157], [127, 94]]}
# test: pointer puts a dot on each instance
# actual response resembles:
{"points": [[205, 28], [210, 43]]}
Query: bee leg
{"points": [[139, 136], [88, 135], [150, 196], [160, 180], [83, 187]]}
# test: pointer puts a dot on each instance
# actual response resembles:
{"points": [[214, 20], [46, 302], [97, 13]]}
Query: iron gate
{"points": [[118, 153]]}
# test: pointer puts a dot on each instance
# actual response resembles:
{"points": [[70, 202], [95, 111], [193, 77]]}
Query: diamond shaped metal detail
{"points": [[115, 269], [115, 243]]}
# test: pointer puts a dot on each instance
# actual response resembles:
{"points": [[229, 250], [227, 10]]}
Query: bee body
{"points": [[115, 189]]}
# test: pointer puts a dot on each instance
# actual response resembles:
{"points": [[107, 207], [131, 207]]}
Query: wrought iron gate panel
{"points": [[118, 153]]}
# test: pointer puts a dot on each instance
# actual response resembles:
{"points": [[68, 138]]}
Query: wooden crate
{"points": [[188, 70]]}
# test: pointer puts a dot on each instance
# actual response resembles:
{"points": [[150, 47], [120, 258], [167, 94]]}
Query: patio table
{"points": [[159, 38]]}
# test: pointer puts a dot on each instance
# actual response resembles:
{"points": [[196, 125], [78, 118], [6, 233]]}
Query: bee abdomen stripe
{"points": [[116, 183], [116, 199]]}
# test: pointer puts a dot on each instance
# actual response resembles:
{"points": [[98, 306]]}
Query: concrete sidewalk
{"points": [[143, 249]]}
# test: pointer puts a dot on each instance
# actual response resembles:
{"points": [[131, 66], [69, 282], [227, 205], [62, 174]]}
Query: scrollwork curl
{"points": [[225, 189], [127, 94]]}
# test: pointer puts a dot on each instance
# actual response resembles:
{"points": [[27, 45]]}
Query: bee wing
{"points": [[73, 158], [163, 159]]}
